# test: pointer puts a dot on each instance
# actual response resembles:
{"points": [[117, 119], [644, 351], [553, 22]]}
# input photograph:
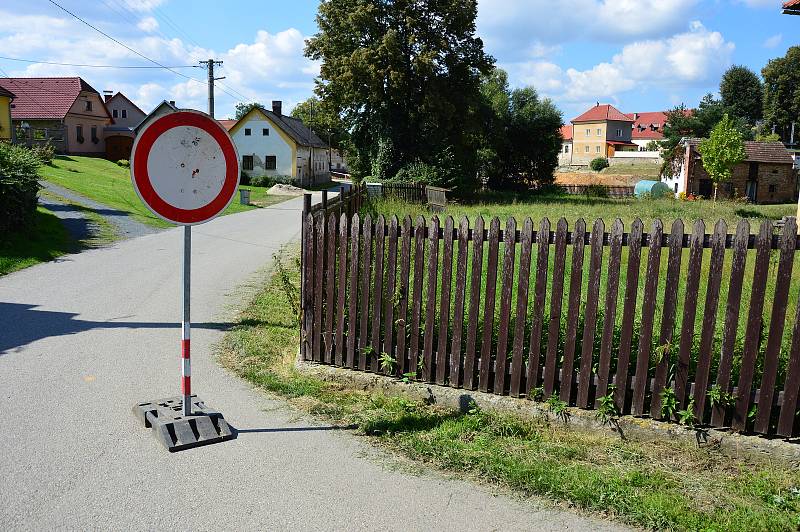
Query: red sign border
{"points": [[143, 184]]}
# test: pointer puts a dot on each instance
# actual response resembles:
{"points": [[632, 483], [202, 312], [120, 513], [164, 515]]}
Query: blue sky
{"points": [[640, 55]]}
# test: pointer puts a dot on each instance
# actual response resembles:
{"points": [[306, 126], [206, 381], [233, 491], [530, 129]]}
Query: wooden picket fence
{"points": [[484, 308], [612, 191]]}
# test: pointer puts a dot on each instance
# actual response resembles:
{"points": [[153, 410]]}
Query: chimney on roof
{"points": [[277, 107], [636, 116], [107, 95], [597, 104], [172, 103]]}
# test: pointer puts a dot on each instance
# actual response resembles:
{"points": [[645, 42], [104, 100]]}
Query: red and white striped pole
{"points": [[186, 324]]}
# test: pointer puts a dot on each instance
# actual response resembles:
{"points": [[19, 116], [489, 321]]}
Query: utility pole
{"points": [[210, 67]]}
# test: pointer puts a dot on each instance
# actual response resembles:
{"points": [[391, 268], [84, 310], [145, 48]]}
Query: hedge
{"points": [[19, 185]]}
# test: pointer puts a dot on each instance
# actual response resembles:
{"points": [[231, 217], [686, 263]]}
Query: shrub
{"points": [[262, 181], [44, 152], [19, 184], [598, 164], [596, 191], [125, 163]]}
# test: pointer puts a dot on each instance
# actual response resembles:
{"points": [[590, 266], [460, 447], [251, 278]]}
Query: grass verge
{"points": [[43, 241], [661, 485]]}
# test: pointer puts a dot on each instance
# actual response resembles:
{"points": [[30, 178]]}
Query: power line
{"points": [[92, 66]]}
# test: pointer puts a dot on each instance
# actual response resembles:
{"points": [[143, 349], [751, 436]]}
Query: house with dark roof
{"points": [[271, 143], [600, 132], [792, 7], [767, 175], [6, 130], [66, 112], [119, 135], [163, 108]]}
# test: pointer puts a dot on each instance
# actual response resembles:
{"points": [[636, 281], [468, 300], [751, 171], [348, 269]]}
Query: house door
{"points": [[706, 188], [751, 190]]}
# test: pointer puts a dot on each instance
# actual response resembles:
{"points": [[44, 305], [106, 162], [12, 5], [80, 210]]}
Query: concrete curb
{"points": [[757, 448]]}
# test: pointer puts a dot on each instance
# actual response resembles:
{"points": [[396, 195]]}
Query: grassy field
{"points": [[45, 240], [110, 184], [662, 485]]}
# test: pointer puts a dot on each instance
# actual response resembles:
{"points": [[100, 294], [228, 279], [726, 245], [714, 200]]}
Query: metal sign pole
{"points": [[186, 324]]}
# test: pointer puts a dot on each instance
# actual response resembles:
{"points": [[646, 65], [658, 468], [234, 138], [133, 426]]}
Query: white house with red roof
{"points": [[565, 155], [66, 112], [119, 135]]}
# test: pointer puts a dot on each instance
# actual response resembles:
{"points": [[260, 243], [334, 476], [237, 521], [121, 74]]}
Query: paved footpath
{"points": [[85, 338]]}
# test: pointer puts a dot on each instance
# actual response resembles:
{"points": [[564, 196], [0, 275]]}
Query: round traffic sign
{"points": [[185, 167]]}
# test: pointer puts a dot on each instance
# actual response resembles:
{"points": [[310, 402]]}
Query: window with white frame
{"points": [[599, 132], [619, 133], [587, 149]]}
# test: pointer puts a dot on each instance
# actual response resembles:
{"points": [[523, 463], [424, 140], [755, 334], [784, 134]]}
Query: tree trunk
{"points": [[716, 186]]}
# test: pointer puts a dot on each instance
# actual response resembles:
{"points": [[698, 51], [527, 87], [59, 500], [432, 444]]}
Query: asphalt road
{"points": [[86, 337]]}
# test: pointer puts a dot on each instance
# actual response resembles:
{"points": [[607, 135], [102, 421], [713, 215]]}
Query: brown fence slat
{"points": [[458, 311], [402, 312], [377, 293], [430, 308], [444, 308], [391, 284], [489, 304], [573, 310], [341, 286], [791, 388], [474, 304], [526, 241], [628, 312], [540, 293], [416, 297], [318, 294], [754, 323], [509, 251], [308, 287], [610, 313], [666, 337], [330, 287], [648, 317], [689, 311], [709, 318], [556, 302], [352, 301], [776, 325], [366, 272], [590, 321]]}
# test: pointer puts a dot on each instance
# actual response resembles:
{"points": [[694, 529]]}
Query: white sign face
{"points": [[194, 163]]}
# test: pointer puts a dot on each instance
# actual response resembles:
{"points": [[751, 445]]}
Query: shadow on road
{"points": [[23, 324]]}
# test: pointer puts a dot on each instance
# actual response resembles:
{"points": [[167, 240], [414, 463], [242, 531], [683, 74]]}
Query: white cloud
{"points": [[148, 24], [774, 41], [762, 3], [143, 5]]}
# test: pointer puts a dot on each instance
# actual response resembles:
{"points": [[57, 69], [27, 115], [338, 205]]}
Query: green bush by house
{"points": [[19, 174], [599, 164]]}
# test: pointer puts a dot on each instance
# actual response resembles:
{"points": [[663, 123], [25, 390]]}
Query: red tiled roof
{"points": [[603, 112], [8, 93], [227, 124], [791, 3], [648, 126], [760, 152], [44, 98], [566, 132]]}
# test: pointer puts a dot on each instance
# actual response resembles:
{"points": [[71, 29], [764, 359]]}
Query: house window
{"points": [[95, 138], [587, 149], [566, 148], [247, 132], [619, 133], [115, 113], [247, 162], [599, 132], [588, 132], [124, 113], [676, 188], [79, 133], [88, 105], [270, 162], [772, 188], [265, 132], [597, 149]]}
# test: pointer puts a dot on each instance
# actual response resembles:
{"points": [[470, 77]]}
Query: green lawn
{"points": [[45, 240], [657, 485], [110, 184]]}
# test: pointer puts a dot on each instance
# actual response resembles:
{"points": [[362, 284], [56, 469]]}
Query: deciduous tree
{"points": [[742, 94], [722, 151], [782, 93]]}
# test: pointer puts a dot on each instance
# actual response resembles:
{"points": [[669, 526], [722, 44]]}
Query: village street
{"points": [[86, 337]]}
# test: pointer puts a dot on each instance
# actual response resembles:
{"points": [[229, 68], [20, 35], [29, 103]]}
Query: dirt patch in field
{"points": [[593, 178]]}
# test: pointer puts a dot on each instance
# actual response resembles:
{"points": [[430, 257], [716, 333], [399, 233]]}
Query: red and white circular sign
{"points": [[185, 167]]}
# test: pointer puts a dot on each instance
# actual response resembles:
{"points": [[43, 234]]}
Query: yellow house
{"points": [[600, 132], [6, 131]]}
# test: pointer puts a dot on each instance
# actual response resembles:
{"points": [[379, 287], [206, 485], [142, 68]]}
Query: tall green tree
{"points": [[742, 94], [243, 108], [722, 151], [323, 120], [782, 93], [405, 75]]}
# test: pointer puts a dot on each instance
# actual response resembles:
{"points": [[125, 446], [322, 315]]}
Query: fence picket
{"points": [[430, 309], [377, 293], [318, 277], [509, 252], [556, 303], [391, 283], [341, 287], [352, 301], [330, 288], [648, 317], [668, 315], [590, 321], [754, 323], [709, 319], [610, 312], [402, 312], [416, 298], [474, 304], [628, 313], [488, 312], [776, 325], [444, 307], [458, 317], [573, 310], [308, 287], [733, 306], [366, 273], [540, 293], [521, 315], [791, 387]]}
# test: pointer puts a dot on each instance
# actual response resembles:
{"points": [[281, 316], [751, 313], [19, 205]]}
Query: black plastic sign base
{"points": [[177, 432]]}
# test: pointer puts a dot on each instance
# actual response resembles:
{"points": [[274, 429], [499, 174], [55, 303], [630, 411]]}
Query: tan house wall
{"points": [[594, 140], [782, 178], [79, 116]]}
